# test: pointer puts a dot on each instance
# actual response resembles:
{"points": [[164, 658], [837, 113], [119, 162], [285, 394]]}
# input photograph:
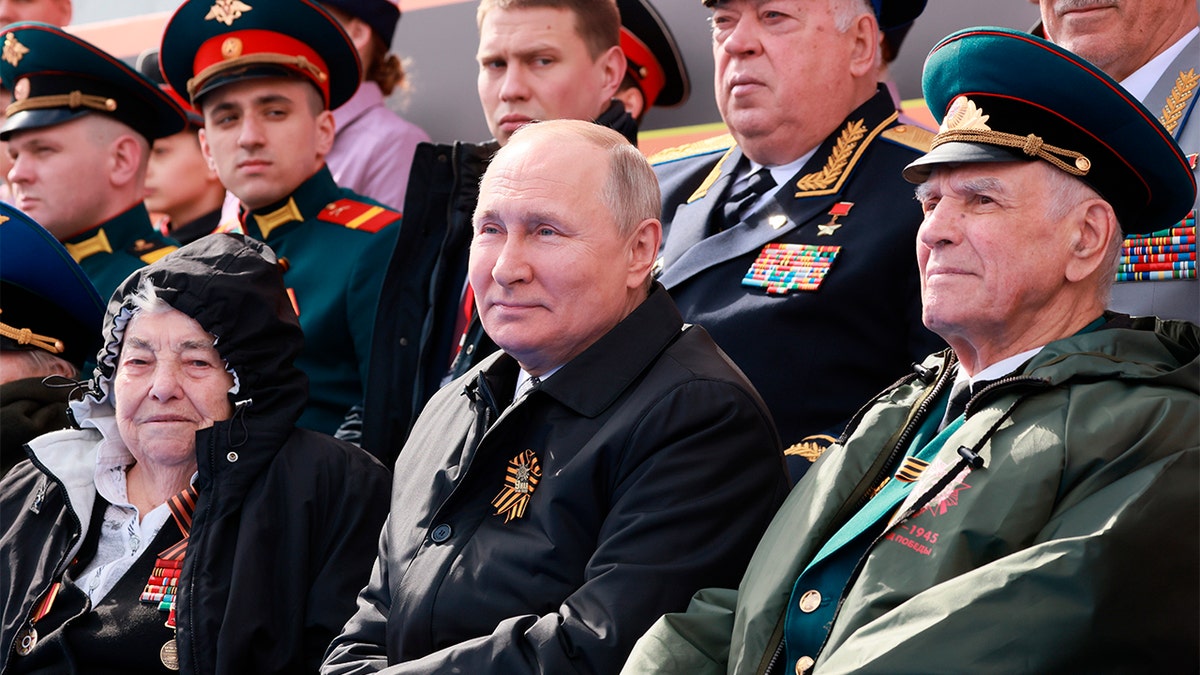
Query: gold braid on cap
{"points": [[75, 99], [966, 123], [24, 336], [297, 62]]}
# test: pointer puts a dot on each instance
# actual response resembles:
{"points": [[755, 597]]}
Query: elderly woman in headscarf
{"points": [[187, 524]]}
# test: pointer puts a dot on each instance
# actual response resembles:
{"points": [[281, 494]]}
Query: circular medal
{"points": [[169, 655], [28, 639]]}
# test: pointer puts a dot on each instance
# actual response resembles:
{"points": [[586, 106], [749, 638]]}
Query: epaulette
{"points": [[693, 149], [910, 136], [358, 215], [150, 251]]}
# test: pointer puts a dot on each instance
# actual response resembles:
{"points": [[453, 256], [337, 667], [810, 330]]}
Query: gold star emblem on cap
{"points": [[14, 51], [227, 11]]}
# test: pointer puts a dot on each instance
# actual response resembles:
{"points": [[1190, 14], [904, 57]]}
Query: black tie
{"points": [[742, 196], [526, 387], [960, 393]]}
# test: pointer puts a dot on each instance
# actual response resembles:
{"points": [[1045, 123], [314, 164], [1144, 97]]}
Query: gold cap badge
{"points": [[966, 123], [14, 51], [227, 11]]}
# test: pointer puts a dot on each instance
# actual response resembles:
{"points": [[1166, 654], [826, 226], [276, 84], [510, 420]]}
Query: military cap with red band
{"points": [[1002, 96], [652, 57], [210, 43], [56, 77]]}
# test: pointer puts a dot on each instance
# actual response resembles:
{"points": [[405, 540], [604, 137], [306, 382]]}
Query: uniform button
{"points": [[232, 457], [803, 664], [470, 349], [810, 601], [403, 342], [440, 533]]}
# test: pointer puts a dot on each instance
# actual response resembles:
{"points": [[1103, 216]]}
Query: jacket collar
{"points": [[304, 203], [116, 234]]}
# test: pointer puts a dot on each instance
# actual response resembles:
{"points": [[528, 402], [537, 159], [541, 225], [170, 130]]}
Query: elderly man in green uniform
{"points": [[79, 129], [265, 76], [1024, 530]]}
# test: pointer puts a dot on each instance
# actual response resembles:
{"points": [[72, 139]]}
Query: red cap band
{"points": [[243, 48], [643, 67]]}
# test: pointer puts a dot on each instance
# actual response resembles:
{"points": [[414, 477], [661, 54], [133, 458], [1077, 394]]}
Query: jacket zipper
{"points": [[59, 569]]}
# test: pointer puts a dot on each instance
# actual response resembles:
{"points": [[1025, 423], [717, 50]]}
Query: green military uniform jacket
{"points": [[1063, 537], [115, 248], [334, 245]]}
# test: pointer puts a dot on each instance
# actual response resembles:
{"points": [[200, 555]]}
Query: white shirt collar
{"points": [[1142, 80], [996, 370], [784, 172]]}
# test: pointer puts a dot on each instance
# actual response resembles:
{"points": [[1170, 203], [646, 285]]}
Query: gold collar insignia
{"points": [[89, 247], [280, 216], [1172, 112]]}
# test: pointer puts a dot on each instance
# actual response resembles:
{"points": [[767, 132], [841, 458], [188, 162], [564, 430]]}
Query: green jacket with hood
{"points": [[1071, 545]]}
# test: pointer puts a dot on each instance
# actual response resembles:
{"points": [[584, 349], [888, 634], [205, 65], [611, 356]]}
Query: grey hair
{"points": [[630, 189], [44, 363], [846, 11], [1068, 192], [145, 299]]}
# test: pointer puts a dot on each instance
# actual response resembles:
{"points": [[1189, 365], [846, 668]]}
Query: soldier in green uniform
{"points": [[79, 129], [265, 76]]}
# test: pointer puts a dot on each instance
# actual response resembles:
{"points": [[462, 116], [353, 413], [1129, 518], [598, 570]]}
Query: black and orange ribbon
{"points": [[524, 472]]}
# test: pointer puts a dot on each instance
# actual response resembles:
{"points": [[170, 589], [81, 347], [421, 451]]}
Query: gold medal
{"points": [[28, 639], [169, 655]]}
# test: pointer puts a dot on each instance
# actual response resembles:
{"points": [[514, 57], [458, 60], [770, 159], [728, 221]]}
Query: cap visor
{"points": [[958, 153], [36, 119]]}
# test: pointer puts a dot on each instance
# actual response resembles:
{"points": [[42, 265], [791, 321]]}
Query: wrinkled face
{"points": [[990, 258], [533, 65], [550, 271], [177, 176], [48, 179], [53, 12], [782, 75], [169, 383], [1118, 36], [264, 137]]}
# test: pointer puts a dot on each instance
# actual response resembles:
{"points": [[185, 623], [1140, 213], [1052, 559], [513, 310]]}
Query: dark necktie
{"points": [[960, 393], [526, 387], [742, 196]]}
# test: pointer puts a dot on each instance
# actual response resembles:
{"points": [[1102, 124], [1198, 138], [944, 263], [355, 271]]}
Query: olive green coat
{"points": [[1073, 548]]}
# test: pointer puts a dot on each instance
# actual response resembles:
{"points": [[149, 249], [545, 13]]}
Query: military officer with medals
{"points": [[79, 129], [266, 76], [1013, 501], [790, 239], [1152, 48]]}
